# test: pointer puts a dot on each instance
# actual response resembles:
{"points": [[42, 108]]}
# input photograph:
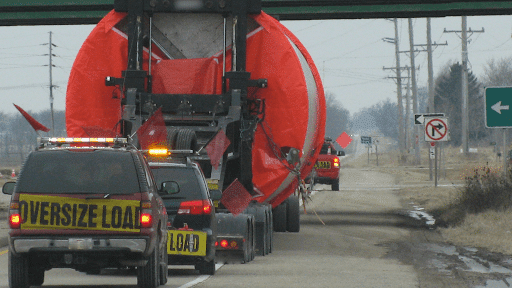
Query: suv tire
{"points": [[36, 277], [147, 276], [18, 271], [206, 268]]}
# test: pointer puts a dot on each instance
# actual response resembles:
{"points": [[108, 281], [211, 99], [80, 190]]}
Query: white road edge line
{"points": [[201, 278]]}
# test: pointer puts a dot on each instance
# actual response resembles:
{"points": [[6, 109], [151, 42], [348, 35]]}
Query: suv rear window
{"points": [[186, 178], [325, 149], [79, 172]]}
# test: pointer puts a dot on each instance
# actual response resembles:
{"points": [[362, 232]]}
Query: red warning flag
{"points": [[153, 131], [216, 148], [33, 122], [236, 198]]}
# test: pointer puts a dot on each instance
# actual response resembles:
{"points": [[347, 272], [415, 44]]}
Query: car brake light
{"points": [[336, 162], [196, 207], [15, 221], [146, 219], [14, 215]]}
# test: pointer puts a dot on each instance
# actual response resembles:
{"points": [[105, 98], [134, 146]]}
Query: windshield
{"points": [[98, 171], [186, 178]]}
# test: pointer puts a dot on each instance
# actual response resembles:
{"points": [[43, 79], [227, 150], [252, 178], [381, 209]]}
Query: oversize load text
{"points": [[44, 212]]}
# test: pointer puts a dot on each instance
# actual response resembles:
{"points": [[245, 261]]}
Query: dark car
{"points": [[327, 166], [190, 208], [86, 208]]}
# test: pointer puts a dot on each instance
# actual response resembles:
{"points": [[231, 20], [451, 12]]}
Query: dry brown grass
{"points": [[491, 229]]}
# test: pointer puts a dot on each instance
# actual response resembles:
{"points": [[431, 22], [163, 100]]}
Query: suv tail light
{"points": [[336, 162], [146, 219], [196, 207], [14, 216]]}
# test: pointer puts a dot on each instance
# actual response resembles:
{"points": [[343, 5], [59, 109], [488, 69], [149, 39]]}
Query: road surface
{"points": [[360, 236]]}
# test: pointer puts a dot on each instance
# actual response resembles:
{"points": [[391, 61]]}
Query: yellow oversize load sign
{"points": [[191, 243], [54, 212]]}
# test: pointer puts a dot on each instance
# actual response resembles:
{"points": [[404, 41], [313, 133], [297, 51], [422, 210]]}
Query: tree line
{"points": [[382, 118], [18, 138]]}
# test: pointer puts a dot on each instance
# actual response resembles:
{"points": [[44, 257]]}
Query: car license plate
{"points": [[80, 243], [191, 243], [323, 165]]}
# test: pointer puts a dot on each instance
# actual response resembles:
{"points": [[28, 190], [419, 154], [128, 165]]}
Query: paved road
{"points": [[357, 237]]}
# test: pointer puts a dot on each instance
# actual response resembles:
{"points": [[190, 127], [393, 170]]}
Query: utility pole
{"points": [[414, 93], [51, 84], [464, 111], [401, 135], [431, 91]]}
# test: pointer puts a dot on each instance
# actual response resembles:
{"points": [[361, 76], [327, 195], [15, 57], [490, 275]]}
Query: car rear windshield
{"points": [[186, 179], [98, 171], [325, 149]]}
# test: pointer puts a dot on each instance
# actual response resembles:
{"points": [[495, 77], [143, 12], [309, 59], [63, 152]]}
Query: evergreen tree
{"points": [[448, 100]]}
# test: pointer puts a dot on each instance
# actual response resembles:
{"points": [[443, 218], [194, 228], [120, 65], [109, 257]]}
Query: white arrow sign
{"points": [[497, 107]]}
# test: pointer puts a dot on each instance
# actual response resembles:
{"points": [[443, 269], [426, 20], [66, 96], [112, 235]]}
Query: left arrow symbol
{"points": [[497, 107]]}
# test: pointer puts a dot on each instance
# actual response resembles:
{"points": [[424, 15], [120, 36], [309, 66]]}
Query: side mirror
{"points": [[8, 188], [341, 153], [169, 188], [215, 195]]}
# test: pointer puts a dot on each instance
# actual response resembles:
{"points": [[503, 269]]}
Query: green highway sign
{"points": [[498, 107]]}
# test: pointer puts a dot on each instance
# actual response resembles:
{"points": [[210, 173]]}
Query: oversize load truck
{"points": [[223, 74]]}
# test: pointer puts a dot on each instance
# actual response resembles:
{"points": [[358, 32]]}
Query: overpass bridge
{"points": [[72, 12]]}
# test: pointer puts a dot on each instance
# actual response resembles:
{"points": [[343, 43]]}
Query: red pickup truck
{"points": [[327, 167]]}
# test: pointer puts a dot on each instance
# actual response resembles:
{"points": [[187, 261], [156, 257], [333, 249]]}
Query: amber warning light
{"points": [[158, 152]]}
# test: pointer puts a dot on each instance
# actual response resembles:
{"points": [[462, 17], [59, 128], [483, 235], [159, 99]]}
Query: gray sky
{"points": [[349, 54]]}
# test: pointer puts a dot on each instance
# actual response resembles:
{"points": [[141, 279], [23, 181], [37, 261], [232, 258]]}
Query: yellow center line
{"points": [[4, 252]]}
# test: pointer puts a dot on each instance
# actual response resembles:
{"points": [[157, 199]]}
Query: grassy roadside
{"points": [[490, 229]]}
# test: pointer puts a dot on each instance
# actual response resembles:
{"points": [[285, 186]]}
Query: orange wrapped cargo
{"points": [[294, 100]]}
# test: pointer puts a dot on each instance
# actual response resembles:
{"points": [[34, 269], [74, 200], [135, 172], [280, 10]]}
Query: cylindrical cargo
{"points": [[189, 60]]}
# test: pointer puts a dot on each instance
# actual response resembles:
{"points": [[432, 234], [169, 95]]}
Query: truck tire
{"points": [[280, 217], [147, 276], [335, 186], [18, 271], [186, 139], [206, 267], [172, 132], [292, 214]]}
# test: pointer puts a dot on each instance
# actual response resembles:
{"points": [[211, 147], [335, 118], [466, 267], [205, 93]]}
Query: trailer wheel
{"points": [[292, 214], [270, 231], [335, 186], [280, 217], [186, 140]]}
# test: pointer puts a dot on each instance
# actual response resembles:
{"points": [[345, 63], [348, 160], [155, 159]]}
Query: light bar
{"points": [[62, 140]]}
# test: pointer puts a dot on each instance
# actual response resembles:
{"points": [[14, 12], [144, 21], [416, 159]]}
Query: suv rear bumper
{"points": [[24, 245]]}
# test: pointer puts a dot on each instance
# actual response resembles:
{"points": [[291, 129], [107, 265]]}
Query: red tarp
{"points": [[294, 107]]}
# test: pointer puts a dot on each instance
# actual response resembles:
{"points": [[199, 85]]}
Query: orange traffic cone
{"points": [[13, 174]]}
